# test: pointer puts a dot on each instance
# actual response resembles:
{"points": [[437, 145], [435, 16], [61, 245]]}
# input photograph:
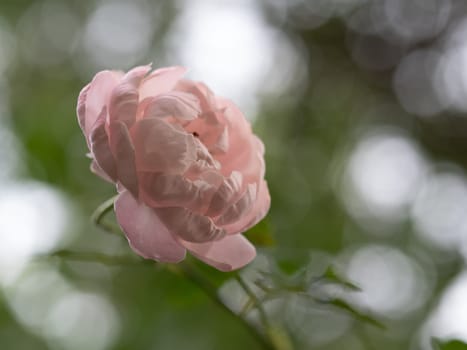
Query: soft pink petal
{"points": [[253, 216], [167, 190], [180, 105], [160, 147], [124, 155], [98, 95], [188, 225], [211, 132], [240, 208], [96, 169], [161, 81], [100, 148], [81, 106], [228, 192], [146, 234], [230, 253], [124, 98], [200, 90], [245, 152]]}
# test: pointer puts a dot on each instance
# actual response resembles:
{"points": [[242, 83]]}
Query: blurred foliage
{"points": [[450, 345]]}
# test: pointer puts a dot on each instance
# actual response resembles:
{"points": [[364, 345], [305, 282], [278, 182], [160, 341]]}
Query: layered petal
{"points": [[245, 151], [81, 106], [160, 147], [200, 90], [96, 169], [240, 208], [161, 81], [145, 232], [124, 98], [227, 194], [189, 226], [181, 105], [98, 95], [105, 164], [254, 215], [227, 254], [124, 155]]}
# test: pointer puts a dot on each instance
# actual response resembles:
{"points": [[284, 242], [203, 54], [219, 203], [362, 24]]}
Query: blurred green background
{"points": [[362, 106]]}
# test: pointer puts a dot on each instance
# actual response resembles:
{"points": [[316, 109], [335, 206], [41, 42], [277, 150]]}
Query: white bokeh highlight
{"points": [[229, 46], [439, 211], [382, 177], [392, 283], [33, 220]]}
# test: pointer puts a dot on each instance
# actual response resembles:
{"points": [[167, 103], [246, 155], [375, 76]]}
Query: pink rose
{"points": [[188, 169]]}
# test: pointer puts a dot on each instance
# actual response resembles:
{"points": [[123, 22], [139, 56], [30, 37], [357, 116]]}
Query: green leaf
{"points": [[449, 345], [343, 305], [331, 276]]}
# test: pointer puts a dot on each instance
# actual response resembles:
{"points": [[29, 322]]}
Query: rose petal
{"points": [[146, 234], [240, 208], [100, 148], [81, 107], [124, 98], [253, 216], [124, 155], [226, 194], [160, 147], [161, 81], [180, 105], [98, 95], [227, 254], [166, 190], [188, 225], [200, 90], [245, 153], [96, 169]]}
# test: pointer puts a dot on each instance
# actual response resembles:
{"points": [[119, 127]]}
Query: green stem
{"points": [[98, 215], [93, 257], [278, 336], [256, 303], [189, 271]]}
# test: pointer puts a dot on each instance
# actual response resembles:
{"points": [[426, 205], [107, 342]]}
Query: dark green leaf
{"points": [[331, 276], [448, 345], [343, 305]]}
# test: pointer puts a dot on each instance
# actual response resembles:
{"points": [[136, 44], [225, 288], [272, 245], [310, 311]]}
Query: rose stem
{"points": [[277, 335], [189, 271]]}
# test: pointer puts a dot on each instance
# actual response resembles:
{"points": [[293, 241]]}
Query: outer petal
{"points": [[253, 216], [124, 98], [124, 155], [161, 81], [245, 152], [98, 95], [96, 169], [160, 147], [146, 234], [226, 194], [100, 148], [81, 107], [180, 105], [230, 253], [240, 208], [188, 225]]}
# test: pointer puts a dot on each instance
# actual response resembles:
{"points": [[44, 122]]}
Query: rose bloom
{"points": [[188, 169]]}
